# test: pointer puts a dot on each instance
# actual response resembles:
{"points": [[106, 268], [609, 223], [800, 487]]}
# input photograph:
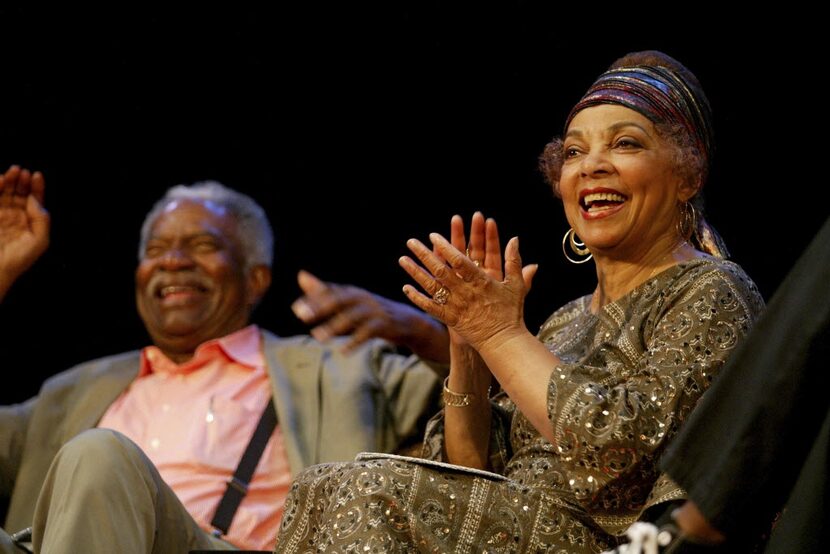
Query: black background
{"points": [[357, 127]]}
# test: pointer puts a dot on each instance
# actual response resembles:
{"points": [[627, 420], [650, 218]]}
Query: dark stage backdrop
{"points": [[357, 128]]}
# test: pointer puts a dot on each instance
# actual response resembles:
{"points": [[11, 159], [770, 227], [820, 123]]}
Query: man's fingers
{"points": [[24, 183], [368, 330], [38, 216], [311, 286], [309, 283], [38, 186]]}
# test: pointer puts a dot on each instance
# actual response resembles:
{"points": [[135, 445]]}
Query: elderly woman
{"points": [[563, 459]]}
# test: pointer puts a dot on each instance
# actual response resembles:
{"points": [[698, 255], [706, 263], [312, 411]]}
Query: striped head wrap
{"points": [[658, 93], [663, 96]]}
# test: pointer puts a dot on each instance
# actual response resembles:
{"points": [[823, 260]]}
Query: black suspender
{"points": [[237, 487]]}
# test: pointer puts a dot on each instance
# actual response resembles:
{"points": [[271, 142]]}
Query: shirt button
{"points": [[155, 443]]}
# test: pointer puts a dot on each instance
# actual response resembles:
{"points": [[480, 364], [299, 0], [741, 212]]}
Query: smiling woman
{"points": [[588, 406], [647, 122], [620, 189]]}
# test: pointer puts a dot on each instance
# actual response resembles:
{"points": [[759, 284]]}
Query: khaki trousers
{"points": [[103, 495]]}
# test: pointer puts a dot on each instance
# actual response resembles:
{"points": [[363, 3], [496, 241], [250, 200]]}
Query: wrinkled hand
{"points": [[337, 310], [483, 248], [478, 306], [24, 224]]}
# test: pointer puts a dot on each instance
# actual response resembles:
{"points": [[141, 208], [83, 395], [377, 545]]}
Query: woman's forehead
{"points": [[608, 116]]}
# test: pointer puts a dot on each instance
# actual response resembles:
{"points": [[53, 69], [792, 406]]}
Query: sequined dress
{"points": [[629, 375]]}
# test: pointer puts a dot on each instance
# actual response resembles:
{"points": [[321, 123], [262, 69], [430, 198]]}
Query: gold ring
{"points": [[477, 262], [441, 296]]}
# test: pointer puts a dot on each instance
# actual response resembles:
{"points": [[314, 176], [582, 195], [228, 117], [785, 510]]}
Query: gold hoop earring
{"points": [[687, 224], [577, 246]]}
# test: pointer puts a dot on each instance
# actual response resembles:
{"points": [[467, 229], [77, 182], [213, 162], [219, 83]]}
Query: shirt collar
{"points": [[242, 347]]}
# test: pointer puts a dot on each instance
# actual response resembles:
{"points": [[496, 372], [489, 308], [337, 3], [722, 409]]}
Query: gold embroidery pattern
{"points": [[628, 378]]}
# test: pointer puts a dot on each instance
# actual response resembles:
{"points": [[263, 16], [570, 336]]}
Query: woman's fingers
{"points": [[512, 261], [435, 277], [461, 265], [425, 303], [492, 255], [528, 273], [476, 246], [435, 261], [457, 237], [419, 274]]}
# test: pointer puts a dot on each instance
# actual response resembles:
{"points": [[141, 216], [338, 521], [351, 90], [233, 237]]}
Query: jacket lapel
{"points": [[97, 390], [294, 367]]}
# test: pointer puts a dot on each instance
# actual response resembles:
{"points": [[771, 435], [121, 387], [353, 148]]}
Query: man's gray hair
{"points": [[255, 234]]}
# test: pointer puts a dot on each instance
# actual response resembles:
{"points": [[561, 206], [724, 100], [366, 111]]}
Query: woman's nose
{"points": [[596, 163]]}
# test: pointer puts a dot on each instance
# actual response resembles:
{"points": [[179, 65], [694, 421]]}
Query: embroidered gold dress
{"points": [[629, 375]]}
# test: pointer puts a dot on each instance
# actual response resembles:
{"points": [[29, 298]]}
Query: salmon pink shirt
{"points": [[194, 421]]}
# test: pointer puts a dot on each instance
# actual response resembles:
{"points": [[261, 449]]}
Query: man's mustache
{"points": [[186, 278]]}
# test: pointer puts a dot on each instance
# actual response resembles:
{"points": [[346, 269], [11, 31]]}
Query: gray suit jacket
{"points": [[329, 407]]}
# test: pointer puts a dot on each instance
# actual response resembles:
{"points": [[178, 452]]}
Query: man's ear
{"points": [[259, 281]]}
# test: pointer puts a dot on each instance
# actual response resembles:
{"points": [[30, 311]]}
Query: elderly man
{"points": [[133, 453]]}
